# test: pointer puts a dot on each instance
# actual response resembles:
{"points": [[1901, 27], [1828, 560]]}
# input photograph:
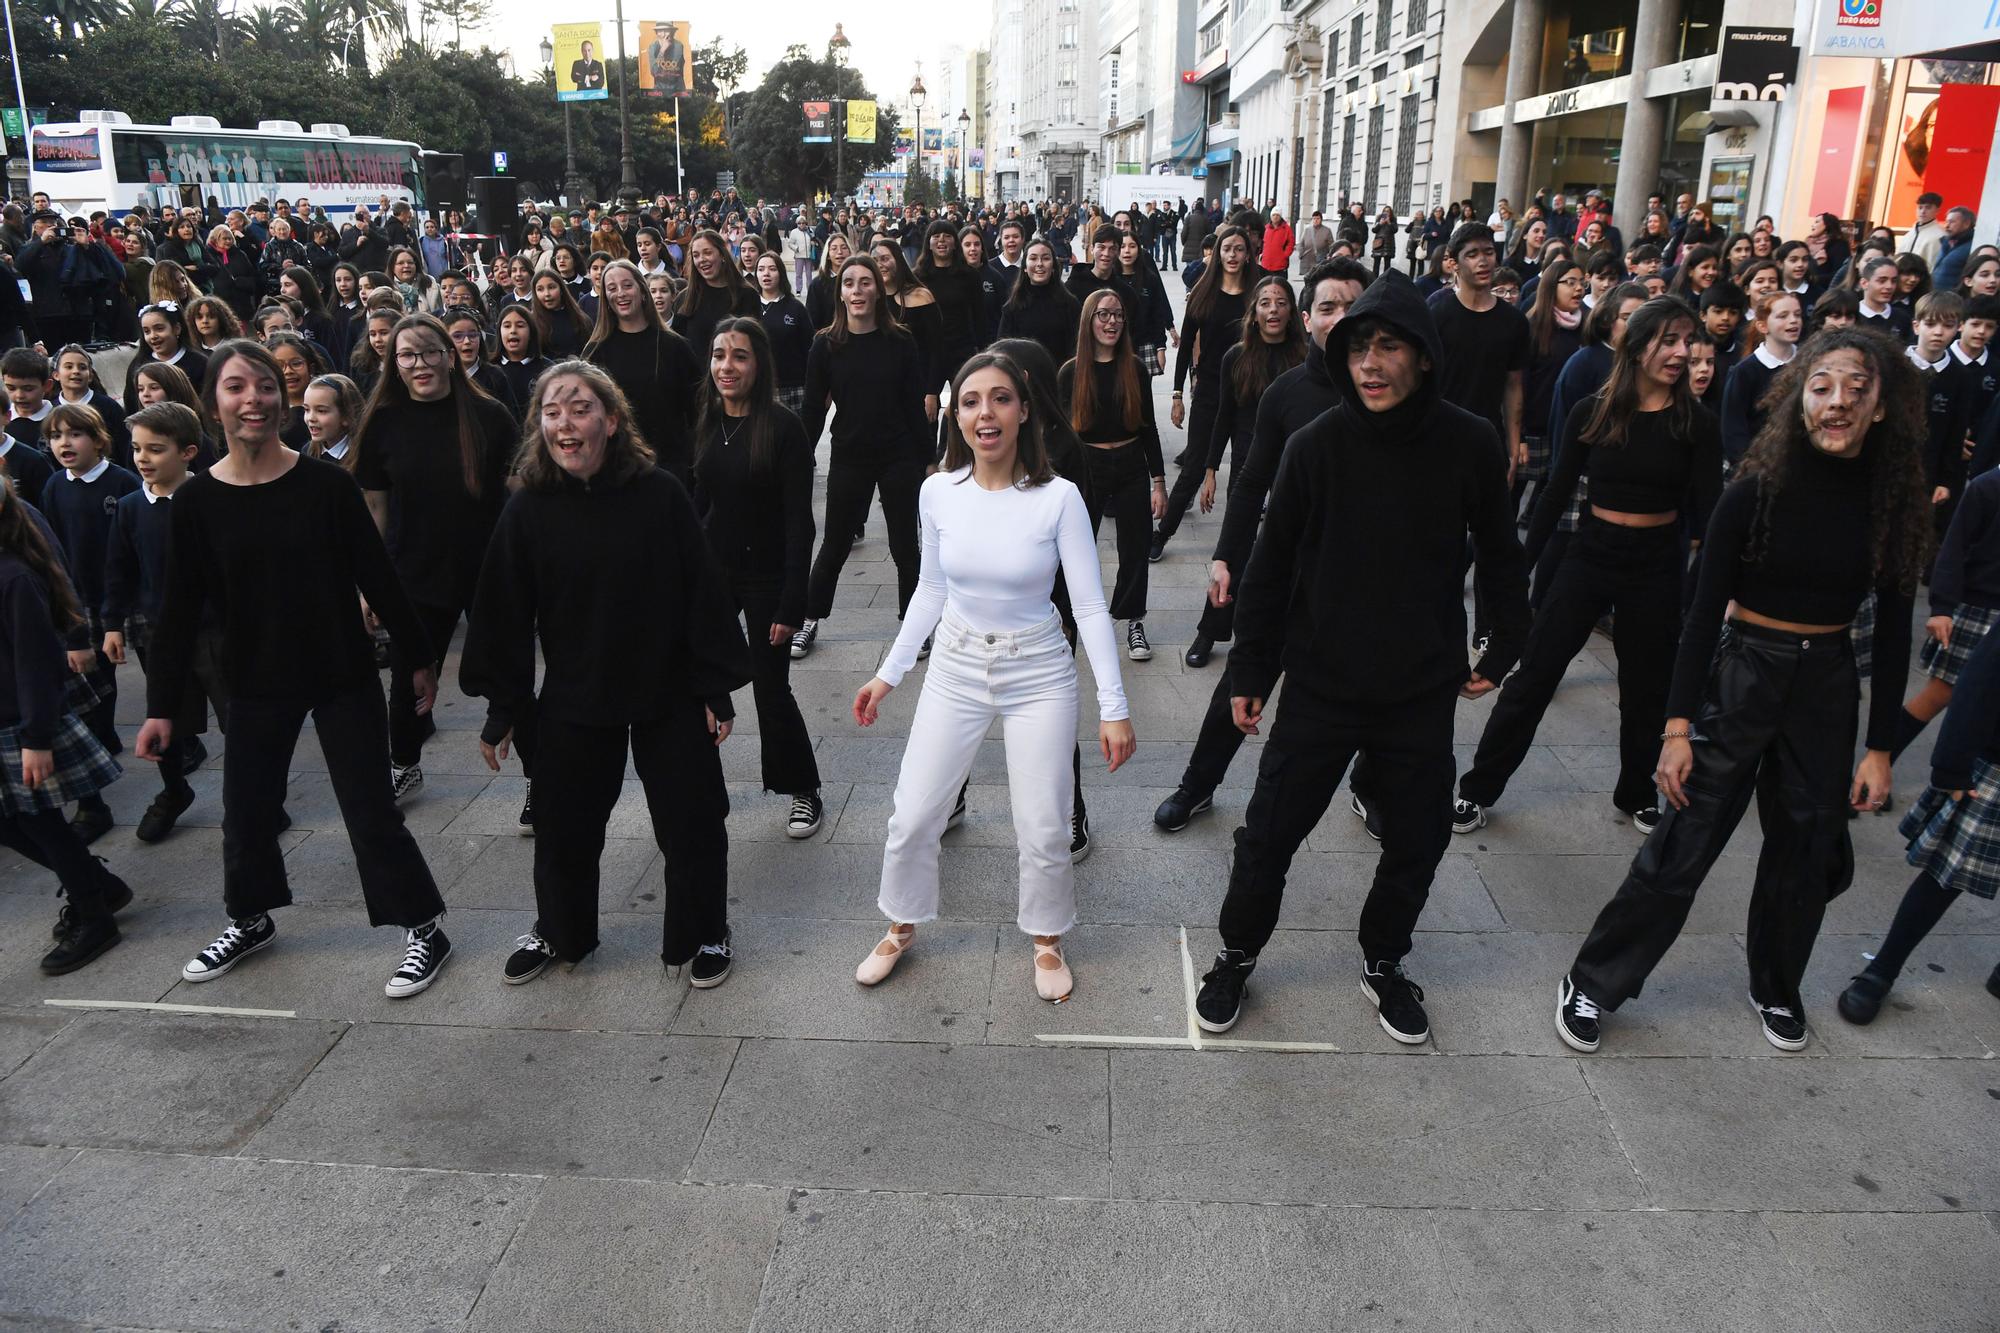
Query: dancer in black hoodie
{"points": [[1355, 593]]}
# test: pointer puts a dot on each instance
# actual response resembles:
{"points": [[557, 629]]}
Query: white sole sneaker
{"points": [[211, 973]]}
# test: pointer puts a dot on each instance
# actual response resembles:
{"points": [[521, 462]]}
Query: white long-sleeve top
{"points": [[993, 555]]}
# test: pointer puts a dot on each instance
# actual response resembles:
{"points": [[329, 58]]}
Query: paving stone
{"points": [[655, 1256], [23, 1032], [1914, 1021], [23, 1174], [321, 866], [1128, 983], [502, 875], [274, 1244], [1874, 1271], [156, 939], [545, 1103], [1307, 988], [903, 1117], [162, 1082]]}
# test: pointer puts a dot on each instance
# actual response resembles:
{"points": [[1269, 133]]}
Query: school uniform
{"points": [[80, 509]]}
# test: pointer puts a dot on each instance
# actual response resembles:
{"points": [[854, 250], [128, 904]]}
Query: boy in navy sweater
{"points": [[30, 384], [79, 502], [166, 439]]}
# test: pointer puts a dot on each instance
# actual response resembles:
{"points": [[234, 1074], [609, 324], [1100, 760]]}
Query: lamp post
{"points": [[836, 49], [964, 129], [916, 149], [548, 53], [628, 177]]}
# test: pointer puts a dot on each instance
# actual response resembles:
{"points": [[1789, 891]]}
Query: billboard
{"points": [[668, 69], [861, 121], [579, 62], [819, 122]]}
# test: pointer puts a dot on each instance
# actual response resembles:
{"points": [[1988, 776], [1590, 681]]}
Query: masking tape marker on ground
{"points": [[219, 1011], [1182, 1043], [1187, 984]]}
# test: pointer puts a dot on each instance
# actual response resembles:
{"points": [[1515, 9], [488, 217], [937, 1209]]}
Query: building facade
{"points": [[1059, 118]]}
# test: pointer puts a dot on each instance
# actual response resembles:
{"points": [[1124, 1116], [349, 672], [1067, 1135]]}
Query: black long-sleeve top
{"points": [[1048, 317], [791, 331], [1971, 726], [960, 306], [712, 306], [135, 559], [661, 376], [926, 325], [193, 364], [760, 523], [1968, 561], [277, 565], [1235, 421], [438, 529], [1742, 391], [80, 512], [1947, 409], [1812, 565], [1109, 426], [996, 284], [877, 381], [1149, 324], [31, 657], [1204, 344], [1654, 471], [1538, 385], [822, 295], [617, 584], [521, 377], [28, 467], [1293, 401]]}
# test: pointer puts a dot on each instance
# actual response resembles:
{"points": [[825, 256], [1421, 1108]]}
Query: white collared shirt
{"points": [[1874, 312], [1964, 360], [103, 466], [337, 451], [1917, 360], [175, 358], [1771, 362], [48, 406]]}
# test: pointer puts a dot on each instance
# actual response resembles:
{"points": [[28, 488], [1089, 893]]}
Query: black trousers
{"points": [[395, 881], [45, 837], [407, 729], [1635, 571], [1169, 243], [784, 745], [849, 486], [1546, 565], [1777, 721], [1120, 488], [580, 771], [1409, 775], [1194, 467]]}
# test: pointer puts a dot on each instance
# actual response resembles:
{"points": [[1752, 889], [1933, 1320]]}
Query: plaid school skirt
{"points": [[1968, 626], [1862, 634], [793, 399], [83, 767], [1537, 466], [1149, 358], [1957, 843]]}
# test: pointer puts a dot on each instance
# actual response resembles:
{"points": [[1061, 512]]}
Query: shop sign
{"points": [[1757, 65]]}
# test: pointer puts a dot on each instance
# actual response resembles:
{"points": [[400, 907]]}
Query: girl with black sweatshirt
{"points": [[1153, 320], [656, 369], [1652, 454], [1776, 321], [1555, 331], [467, 329], [599, 559], [754, 472], [916, 309], [789, 329], [954, 285], [558, 318], [1210, 327], [1829, 503], [824, 293], [274, 546], [1040, 307], [433, 458], [716, 290], [163, 338], [520, 358], [869, 367], [1110, 406]]}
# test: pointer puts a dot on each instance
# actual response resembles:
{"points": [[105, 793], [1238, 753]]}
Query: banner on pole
{"points": [[668, 69], [579, 62], [819, 122], [861, 121]]}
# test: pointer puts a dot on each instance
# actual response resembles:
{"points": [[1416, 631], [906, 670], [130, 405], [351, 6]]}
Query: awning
{"points": [[1217, 156]]}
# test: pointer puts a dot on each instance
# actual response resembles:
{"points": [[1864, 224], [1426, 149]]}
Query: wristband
{"points": [[1677, 735], [1177, 393]]}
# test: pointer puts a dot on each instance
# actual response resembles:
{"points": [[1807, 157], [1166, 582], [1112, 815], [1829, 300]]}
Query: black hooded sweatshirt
{"points": [[1355, 587], [1288, 406]]}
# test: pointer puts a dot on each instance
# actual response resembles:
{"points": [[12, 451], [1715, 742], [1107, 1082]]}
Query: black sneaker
{"points": [[80, 941], [1178, 811], [1136, 645], [1862, 999], [1199, 650], [231, 947], [1398, 1001], [1371, 819], [405, 782], [1576, 1017], [1466, 817], [1156, 548], [525, 826], [711, 965], [168, 806], [1782, 1028], [1645, 820], [91, 822], [1079, 838], [425, 950], [117, 897], [1219, 1003], [1993, 982], [808, 811], [531, 957], [924, 649], [802, 638], [957, 815], [194, 757]]}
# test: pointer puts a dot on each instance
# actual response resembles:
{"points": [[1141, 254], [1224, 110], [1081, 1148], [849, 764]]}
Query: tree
{"points": [[767, 139], [74, 18]]}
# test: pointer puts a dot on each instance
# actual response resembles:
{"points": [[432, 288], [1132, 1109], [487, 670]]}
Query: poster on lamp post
{"points": [[861, 121], [668, 69], [819, 122], [579, 62]]}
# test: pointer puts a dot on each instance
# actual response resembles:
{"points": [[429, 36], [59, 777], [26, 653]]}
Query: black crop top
{"points": [[1651, 473], [1814, 566], [1109, 425]]}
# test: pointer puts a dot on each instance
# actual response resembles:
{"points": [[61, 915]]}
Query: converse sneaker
{"points": [[802, 638], [1645, 821], [711, 965], [525, 826], [531, 957], [1371, 819], [1079, 838], [1136, 646], [1782, 1028], [957, 815], [1576, 1017], [807, 812], [1465, 816], [231, 947], [1398, 1001], [425, 950], [1220, 1001], [1178, 811], [405, 782]]}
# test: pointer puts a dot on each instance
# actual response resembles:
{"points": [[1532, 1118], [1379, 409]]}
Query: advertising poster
{"points": [[819, 122], [579, 62], [668, 67], [1909, 143], [861, 121]]}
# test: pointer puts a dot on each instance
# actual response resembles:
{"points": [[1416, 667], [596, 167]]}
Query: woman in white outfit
{"points": [[998, 524]]}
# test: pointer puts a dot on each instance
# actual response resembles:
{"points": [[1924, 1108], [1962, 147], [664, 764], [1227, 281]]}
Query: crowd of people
{"points": [[1743, 458]]}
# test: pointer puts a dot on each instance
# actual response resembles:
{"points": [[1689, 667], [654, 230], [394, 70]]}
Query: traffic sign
{"points": [[725, 180], [10, 119], [499, 163]]}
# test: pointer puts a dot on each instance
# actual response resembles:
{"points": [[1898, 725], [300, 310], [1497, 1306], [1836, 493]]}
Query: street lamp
{"points": [[548, 54], [837, 48], [916, 149], [628, 177], [964, 130]]}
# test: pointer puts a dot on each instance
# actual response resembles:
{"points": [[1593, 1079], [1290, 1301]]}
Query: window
{"points": [[1333, 50], [1066, 34], [1065, 108], [1371, 184], [1354, 41], [1406, 153], [1211, 37], [1346, 160], [1066, 72], [1413, 57], [1418, 13], [1111, 91], [1327, 193], [1383, 23]]}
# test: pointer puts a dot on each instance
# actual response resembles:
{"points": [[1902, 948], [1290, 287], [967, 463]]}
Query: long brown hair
{"points": [[1613, 406], [697, 288], [390, 393], [607, 321], [1202, 299], [885, 311], [23, 537], [1899, 503], [1259, 362], [760, 427], [1031, 454], [1542, 315], [1083, 406], [626, 453]]}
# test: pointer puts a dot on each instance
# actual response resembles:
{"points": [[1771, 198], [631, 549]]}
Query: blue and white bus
{"points": [[105, 161]]}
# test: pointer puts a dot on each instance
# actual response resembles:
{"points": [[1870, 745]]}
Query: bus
{"points": [[104, 161]]}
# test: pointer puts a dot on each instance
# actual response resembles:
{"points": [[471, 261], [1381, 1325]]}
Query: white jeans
{"points": [[1028, 680]]}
